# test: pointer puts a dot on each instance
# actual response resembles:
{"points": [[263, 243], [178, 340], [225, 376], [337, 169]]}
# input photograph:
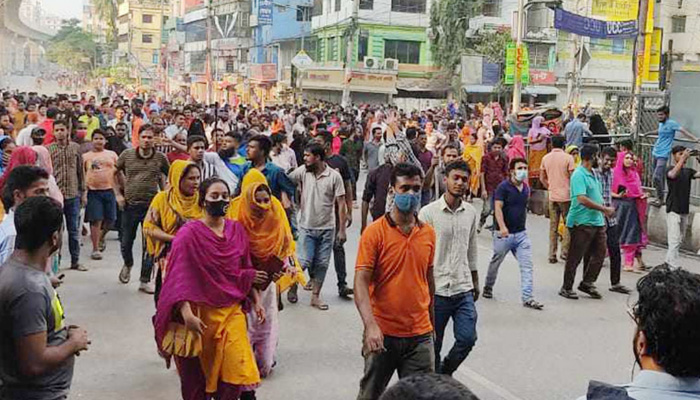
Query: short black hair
{"points": [[21, 178], [558, 141], [610, 152], [145, 127], [500, 140], [264, 142], [278, 139], [628, 143], [206, 184], [668, 313], [191, 140], [428, 387], [588, 151], [449, 146], [36, 220], [235, 136], [516, 161], [664, 109], [406, 170], [411, 133], [60, 122], [316, 150], [51, 112], [460, 165], [678, 149], [100, 132], [581, 116], [118, 124], [326, 136]]}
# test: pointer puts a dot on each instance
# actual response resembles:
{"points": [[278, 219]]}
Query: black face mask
{"points": [[226, 154], [216, 208]]}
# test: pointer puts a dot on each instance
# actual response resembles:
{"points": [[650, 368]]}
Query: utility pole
{"points": [[349, 47], [518, 85], [208, 53], [573, 63], [638, 64], [161, 48]]}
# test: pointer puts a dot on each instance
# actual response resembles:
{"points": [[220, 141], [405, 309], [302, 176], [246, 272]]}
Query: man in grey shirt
{"points": [[36, 348], [666, 342], [322, 189], [576, 130], [456, 272], [371, 151]]}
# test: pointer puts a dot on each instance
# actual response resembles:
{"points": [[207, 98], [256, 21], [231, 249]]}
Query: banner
{"points": [[654, 66], [616, 10], [594, 28], [513, 57], [265, 12]]}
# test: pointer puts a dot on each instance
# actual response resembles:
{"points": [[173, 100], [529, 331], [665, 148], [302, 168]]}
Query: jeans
{"points": [[463, 313], [71, 210], [660, 176], [613, 243], [409, 356], [132, 216], [676, 225], [558, 210], [518, 244], [591, 241], [486, 210], [339, 262], [316, 247]]}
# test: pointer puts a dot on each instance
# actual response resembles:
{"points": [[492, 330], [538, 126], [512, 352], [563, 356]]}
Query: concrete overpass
{"points": [[21, 46]]}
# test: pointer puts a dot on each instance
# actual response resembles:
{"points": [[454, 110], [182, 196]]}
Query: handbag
{"points": [[182, 342]]}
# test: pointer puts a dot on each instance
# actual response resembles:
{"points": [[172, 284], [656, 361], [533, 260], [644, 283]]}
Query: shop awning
{"points": [[478, 88], [422, 85], [544, 90]]}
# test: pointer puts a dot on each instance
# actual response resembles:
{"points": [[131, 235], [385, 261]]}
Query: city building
{"points": [[391, 58], [92, 23], [140, 31], [21, 42], [32, 13], [680, 21]]}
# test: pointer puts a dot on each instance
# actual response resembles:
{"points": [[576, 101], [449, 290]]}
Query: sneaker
{"points": [[620, 289], [345, 292], [146, 288], [590, 290], [96, 255], [78, 267], [533, 304], [487, 293], [125, 274], [553, 260], [569, 294], [102, 246]]}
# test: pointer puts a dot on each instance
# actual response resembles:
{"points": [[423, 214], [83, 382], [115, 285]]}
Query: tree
{"points": [[72, 48], [449, 21], [107, 11]]}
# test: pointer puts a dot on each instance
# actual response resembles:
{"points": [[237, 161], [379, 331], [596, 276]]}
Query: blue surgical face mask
{"points": [[407, 202], [521, 175]]}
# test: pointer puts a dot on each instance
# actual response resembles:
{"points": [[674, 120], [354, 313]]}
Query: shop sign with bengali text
{"points": [[265, 12], [542, 77], [263, 72], [615, 10]]}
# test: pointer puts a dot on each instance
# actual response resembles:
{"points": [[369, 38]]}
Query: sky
{"points": [[64, 8]]}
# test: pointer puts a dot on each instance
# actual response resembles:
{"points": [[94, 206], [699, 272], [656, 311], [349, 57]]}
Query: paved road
{"points": [[520, 353]]}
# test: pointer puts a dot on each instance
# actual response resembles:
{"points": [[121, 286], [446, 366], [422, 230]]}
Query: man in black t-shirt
{"points": [[678, 202], [340, 164]]}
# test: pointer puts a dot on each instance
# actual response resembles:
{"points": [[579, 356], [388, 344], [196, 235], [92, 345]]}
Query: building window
{"points": [[362, 47], [147, 18], [539, 55], [230, 65], [155, 57], [408, 6], [337, 5], [317, 8], [303, 14], [678, 24], [491, 9], [147, 38], [404, 51], [366, 4]]}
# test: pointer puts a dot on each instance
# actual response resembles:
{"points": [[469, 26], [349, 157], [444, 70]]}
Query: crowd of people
{"points": [[239, 205]]}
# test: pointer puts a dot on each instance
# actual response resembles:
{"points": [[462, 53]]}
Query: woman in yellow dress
{"points": [[473, 153], [209, 287]]}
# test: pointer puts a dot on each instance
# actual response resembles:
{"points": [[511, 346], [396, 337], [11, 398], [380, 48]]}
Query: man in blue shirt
{"points": [[666, 343], [511, 198], [576, 130], [662, 150], [586, 223]]}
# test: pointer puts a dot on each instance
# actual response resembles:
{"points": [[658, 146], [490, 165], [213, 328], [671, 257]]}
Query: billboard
{"points": [[265, 12], [616, 10], [594, 28]]}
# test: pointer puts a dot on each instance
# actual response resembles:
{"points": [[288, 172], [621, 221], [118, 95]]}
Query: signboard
{"points": [[594, 28], [265, 12], [490, 73], [542, 77], [263, 72], [616, 10], [332, 79], [654, 65], [515, 58], [302, 60]]}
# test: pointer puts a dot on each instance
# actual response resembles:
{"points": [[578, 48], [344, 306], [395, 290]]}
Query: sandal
{"points": [[292, 296], [309, 286], [533, 305], [321, 306]]}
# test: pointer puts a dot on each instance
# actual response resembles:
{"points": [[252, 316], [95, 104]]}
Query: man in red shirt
{"points": [[47, 125], [494, 170]]}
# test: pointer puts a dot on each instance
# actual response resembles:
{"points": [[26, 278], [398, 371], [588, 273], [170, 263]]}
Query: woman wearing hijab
{"points": [[270, 234], [169, 211], [630, 205], [208, 288], [516, 148], [473, 153], [537, 137], [597, 127], [573, 150]]}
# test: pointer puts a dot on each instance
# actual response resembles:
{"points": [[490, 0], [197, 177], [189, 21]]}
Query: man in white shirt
{"points": [[455, 270], [178, 127], [281, 154]]}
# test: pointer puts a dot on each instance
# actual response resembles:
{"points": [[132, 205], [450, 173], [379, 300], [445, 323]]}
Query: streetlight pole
{"points": [[208, 53], [517, 85], [349, 47]]}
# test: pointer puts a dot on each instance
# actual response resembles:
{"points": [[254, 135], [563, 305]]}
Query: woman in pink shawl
{"points": [[516, 148], [631, 205], [210, 287], [537, 137]]}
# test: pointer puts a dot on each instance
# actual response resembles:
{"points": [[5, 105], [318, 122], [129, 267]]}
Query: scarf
{"points": [[22, 155], [537, 132], [627, 177], [266, 224], [577, 158], [204, 268], [516, 148], [172, 207]]}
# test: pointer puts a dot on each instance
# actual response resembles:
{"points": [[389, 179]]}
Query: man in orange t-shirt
{"points": [[394, 288]]}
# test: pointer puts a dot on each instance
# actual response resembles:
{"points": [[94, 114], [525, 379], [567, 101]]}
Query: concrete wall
{"points": [[656, 227], [381, 14]]}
